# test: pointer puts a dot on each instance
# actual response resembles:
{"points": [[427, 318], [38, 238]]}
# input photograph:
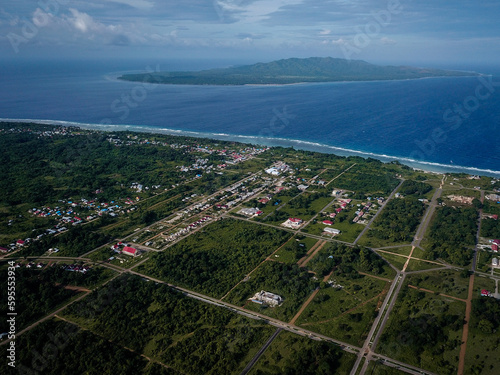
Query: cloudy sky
{"points": [[385, 31]]}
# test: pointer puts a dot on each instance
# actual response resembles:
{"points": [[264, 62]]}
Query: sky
{"points": [[411, 32]]}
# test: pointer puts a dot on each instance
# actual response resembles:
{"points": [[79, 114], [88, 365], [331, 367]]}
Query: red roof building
{"points": [[485, 293], [295, 220], [130, 251], [20, 242], [494, 247], [327, 222]]}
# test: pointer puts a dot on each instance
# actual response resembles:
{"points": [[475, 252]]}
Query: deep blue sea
{"points": [[440, 124]]}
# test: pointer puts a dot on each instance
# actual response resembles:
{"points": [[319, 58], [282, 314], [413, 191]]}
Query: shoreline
{"points": [[473, 75], [426, 166]]}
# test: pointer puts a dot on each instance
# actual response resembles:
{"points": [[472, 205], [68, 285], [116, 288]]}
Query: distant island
{"points": [[293, 70]]}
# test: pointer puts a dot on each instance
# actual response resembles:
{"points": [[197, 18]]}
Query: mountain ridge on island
{"points": [[293, 70]]}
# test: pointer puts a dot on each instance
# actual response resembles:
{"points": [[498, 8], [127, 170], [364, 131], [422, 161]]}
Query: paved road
{"points": [[260, 352]]}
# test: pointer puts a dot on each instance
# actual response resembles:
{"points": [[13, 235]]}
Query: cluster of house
{"points": [[77, 268], [140, 187], [184, 231], [197, 165], [342, 206], [234, 156], [15, 245], [240, 196], [493, 197], [57, 130], [67, 213], [460, 199], [31, 265], [82, 268], [267, 298], [361, 212]]}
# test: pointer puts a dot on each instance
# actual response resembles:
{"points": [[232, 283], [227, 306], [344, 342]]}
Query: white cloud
{"points": [[335, 42], [139, 4], [325, 32]]}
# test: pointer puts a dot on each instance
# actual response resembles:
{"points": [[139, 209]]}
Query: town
{"points": [[385, 267]]}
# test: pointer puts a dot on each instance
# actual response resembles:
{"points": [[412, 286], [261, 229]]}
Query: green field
{"points": [[418, 265], [331, 302], [351, 328], [294, 250], [452, 283], [396, 260]]}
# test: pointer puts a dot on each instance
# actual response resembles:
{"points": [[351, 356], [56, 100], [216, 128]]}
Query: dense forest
{"points": [[293, 70], [181, 332], [487, 314], [36, 296], [346, 261], [416, 188], [60, 348], [368, 179], [214, 259], [452, 234], [38, 170], [399, 220]]}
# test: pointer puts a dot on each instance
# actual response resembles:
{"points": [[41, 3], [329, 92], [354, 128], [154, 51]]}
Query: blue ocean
{"points": [[438, 124]]}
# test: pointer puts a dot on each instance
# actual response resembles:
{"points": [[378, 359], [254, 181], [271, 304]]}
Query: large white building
{"points": [[331, 231], [267, 298]]}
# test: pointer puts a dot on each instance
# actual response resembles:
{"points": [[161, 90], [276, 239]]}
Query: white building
{"points": [[494, 262], [267, 298], [331, 231], [250, 211]]}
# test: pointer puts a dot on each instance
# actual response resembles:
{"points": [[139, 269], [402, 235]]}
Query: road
{"points": [[260, 352], [368, 349]]}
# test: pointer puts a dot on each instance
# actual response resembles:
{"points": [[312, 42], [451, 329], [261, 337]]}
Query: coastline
{"points": [[426, 166], [473, 75]]}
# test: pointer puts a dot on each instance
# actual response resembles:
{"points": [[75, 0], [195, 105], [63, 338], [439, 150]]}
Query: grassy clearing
{"points": [[418, 265], [404, 250], [446, 282], [333, 302], [397, 261], [294, 250], [352, 327]]}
